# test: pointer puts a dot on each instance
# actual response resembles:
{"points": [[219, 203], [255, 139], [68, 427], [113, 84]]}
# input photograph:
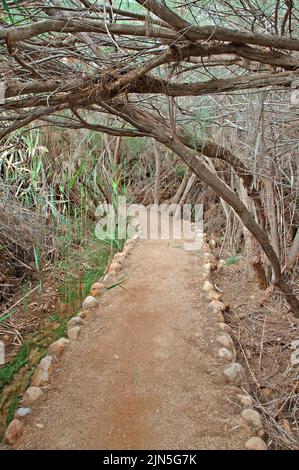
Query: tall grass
{"points": [[54, 177]]}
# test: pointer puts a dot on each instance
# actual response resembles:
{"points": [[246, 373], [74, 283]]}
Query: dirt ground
{"points": [[263, 330], [145, 373]]}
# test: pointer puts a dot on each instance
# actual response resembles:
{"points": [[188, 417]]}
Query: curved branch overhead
{"points": [[75, 56], [71, 63], [76, 37]]}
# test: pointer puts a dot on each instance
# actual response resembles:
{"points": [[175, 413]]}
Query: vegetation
{"points": [[160, 101], [97, 72]]}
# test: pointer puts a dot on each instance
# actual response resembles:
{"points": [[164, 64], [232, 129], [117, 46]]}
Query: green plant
{"points": [[9, 370], [12, 409], [232, 260]]}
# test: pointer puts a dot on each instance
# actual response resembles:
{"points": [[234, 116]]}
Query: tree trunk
{"points": [[177, 213], [181, 188], [157, 174], [116, 159], [200, 169], [272, 216], [145, 122], [293, 255], [187, 189], [258, 268]]}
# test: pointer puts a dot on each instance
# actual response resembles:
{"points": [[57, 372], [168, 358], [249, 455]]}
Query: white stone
{"points": [[245, 400], [225, 327], [225, 354], [226, 341], [13, 432], [57, 348], [208, 286], [32, 395], [255, 443], [212, 243], [216, 306], [214, 296], [108, 279], [119, 257], [235, 374], [207, 267], [90, 302], [44, 372], [22, 413], [75, 321], [127, 250], [253, 418], [219, 317], [97, 289], [220, 265], [74, 333], [115, 267]]}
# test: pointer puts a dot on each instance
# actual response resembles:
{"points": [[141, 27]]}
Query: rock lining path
{"points": [[145, 373]]}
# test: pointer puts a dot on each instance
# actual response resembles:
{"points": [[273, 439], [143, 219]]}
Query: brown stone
{"points": [[89, 302], [13, 432], [225, 327], [108, 279], [255, 443], [216, 305], [119, 258], [31, 395], [75, 321], [208, 286], [226, 341], [225, 354], [220, 318], [212, 244], [127, 250], [74, 333], [207, 267], [98, 289], [114, 267], [214, 296], [44, 372], [245, 400], [235, 374], [57, 348], [82, 314], [253, 418]]}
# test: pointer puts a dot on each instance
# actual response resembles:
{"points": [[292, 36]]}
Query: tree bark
{"points": [[146, 122], [116, 162], [181, 188], [157, 174], [293, 255]]}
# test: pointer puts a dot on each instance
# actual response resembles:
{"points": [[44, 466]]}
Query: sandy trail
{"points": [[145, 372]]}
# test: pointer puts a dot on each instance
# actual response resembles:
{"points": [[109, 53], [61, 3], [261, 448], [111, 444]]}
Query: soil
{"points": [[145, 373], [263, 331], [39, 312]]}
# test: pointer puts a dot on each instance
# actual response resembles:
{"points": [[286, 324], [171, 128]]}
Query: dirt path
{"points": [[145, 373]]}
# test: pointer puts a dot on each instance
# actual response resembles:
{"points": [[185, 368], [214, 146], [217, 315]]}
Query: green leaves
{"points": [[7, 315], [7, 9], [232, 260]]}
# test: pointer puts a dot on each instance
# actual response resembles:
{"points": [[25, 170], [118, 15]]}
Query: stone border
{"points": [[233, 372], [46, 368]]}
